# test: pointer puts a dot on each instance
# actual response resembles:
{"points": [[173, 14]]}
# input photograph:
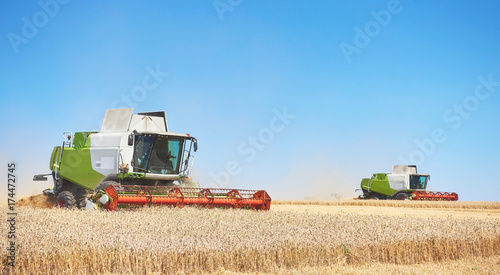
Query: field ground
{"points": [[481, 265], [294, 237], [471, 265], [390, 211]]}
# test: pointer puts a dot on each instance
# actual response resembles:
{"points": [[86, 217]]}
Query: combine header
{"points": [[404, 183], [134, 160], [433, 196], [178, 196]]}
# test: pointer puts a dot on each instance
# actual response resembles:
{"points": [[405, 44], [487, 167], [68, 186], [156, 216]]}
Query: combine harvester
{"points": [[404, 183], [135, 160]]}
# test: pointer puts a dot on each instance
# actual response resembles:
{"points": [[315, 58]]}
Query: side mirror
{"points": [[40, 177], [131, 140], [195, 145]]}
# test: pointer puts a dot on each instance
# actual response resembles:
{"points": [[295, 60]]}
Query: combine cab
{"points": [[404, 183], [135, 160]]}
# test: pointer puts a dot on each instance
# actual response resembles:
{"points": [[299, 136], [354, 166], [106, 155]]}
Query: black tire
{"points": [[79, 194], [103, 185], [372, 196], [401, 196], [65, 199], [61, 184]]}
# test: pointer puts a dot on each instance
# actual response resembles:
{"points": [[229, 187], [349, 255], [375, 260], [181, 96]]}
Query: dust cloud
{"points": [[24, 184], [40, 201], [325, 181]]}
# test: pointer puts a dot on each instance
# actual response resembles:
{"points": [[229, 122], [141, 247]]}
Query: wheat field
{"points": [[396, 203], [163, 240]]}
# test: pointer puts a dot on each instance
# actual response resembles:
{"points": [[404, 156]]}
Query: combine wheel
{"points": [[401, 196], [372, 196], [79, 194], [65, 199]]}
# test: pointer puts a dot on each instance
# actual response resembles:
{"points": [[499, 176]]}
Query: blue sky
{"points": [[365, 84]]}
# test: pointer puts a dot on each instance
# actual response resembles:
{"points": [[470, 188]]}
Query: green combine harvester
{"points": [[135, 160], [403, 183]]}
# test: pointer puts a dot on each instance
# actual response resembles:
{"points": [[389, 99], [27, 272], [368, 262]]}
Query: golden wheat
{"points": [[170, 240], [396, 203]]}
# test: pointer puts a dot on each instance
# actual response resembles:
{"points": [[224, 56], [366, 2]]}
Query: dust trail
{"points": [[39, 201], [321, 180]]}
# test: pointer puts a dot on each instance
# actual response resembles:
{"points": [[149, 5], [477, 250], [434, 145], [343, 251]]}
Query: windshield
{"points": [[418, 182], [157, 154]]}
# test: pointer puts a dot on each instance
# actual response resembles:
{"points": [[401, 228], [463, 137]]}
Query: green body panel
{"points": [[81, 140], [54, 158], [379, 184], [366, 184], [76, 167]]}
